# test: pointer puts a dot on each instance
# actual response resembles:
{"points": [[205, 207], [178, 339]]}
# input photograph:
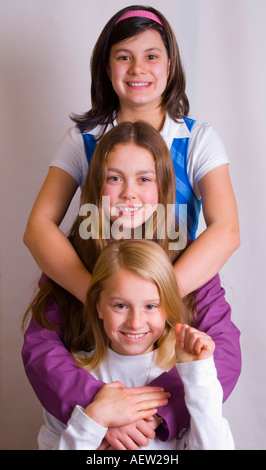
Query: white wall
{"points": [[45, 46]]}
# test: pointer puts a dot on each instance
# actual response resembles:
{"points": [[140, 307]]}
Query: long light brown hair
{"points": [[88, 250], [144, 136]]}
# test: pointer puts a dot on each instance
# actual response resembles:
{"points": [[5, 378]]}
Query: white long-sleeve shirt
{"points": [[209, 430]]}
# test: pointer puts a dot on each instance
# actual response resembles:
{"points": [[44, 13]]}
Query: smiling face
{"points": [[132, 313], [139, 69], [131, 185]]}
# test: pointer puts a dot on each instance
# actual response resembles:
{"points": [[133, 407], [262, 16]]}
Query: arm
{"points": [[203, 392], [53, 374], [214, 318], [212, 248], [44, 238], [60, 384], [209, 430], [80, 433], [132, 436], [114, 405]]}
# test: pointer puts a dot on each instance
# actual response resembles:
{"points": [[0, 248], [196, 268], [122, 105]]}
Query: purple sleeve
{"points": [[214, 318], [56, 379], [60, 384]]}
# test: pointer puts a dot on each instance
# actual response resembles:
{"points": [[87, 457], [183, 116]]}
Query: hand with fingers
{"points": [[131, 436], [192, 344], [116, 405]]}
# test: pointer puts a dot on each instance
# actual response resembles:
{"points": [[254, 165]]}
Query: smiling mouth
{"points": [[138, 84], [128, 210], [134, 336]]}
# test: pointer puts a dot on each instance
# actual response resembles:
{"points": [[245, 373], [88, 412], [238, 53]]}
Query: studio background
{"points": [[45, 49]]}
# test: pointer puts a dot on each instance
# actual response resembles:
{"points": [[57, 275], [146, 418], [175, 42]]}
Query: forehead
{"points": [[148, 39], [131, 154], [129, 285]]}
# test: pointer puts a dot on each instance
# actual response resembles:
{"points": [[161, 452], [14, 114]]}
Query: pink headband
{"points": [[142, 13]]}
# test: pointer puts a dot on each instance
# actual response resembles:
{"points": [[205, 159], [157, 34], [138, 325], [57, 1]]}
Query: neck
{"points": [[155, 117]]}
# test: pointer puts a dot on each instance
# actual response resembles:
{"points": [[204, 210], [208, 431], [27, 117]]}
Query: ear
{"points": [[100, 315]]}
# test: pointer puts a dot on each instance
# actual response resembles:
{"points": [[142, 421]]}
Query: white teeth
{"points": [[131, 209], [135, 336], [138, 84], [128, 209]]}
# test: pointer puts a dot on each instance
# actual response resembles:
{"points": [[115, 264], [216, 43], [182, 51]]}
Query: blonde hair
{"points": [[146, 259], [88, 250]]}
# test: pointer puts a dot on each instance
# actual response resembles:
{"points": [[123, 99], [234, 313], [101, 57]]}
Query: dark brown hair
{"points": [[104, 100]]}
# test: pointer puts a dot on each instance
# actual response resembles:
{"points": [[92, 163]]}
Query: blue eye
{"points": [[144, 179], [151, 306], [114, 179]]}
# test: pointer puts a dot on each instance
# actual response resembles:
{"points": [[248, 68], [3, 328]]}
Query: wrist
{"points": [[95, 414], [83, 287]]}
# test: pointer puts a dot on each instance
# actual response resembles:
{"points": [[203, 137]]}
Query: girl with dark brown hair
{"points": [[137, 74]]}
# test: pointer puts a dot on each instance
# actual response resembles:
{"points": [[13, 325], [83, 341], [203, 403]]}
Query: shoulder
{"points": [[99, 130], [70, 154], [205, 134], [206, 150], [196, 131], [71, 143], [73, 137], [174, 130]]}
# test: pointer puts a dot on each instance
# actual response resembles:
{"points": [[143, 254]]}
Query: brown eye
{"points": [[120, 306]]}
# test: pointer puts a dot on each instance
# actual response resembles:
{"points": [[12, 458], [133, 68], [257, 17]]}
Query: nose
{"points": [[135, 320], [128, 191], [137, 66]]}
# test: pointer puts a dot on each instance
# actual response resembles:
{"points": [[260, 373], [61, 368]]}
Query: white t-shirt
{"points": [[205, 152], [203, 396]]}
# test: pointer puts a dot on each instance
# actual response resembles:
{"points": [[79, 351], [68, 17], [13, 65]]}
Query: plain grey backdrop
{"points": [[45, 48]]}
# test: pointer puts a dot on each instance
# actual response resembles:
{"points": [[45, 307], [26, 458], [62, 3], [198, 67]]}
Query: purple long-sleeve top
{"points": [[60, 384]]}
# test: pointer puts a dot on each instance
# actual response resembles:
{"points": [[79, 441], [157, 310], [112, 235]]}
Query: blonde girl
{"points": [[132, 332], [146, 260]]}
